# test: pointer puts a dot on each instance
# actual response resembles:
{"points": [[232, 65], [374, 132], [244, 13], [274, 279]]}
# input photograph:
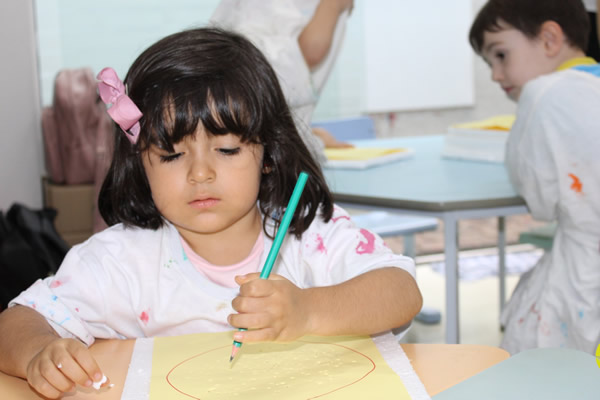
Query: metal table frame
{"points": [[430, 185]]}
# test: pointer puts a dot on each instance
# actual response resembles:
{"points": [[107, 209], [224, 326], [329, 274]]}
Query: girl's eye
{"points": [[500, 55], [229, 152], [169, 157]]}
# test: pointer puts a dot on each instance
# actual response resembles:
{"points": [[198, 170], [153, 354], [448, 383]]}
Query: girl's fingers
{"points": [[256, 288], [75, 373], [250, 321], [51, 381], [241, 279], [243, 304], [90, 370], [256, 335]]}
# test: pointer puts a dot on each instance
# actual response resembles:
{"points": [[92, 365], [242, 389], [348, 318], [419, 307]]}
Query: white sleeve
{"points": [[71, 299], [529, 155], [337, 251]]}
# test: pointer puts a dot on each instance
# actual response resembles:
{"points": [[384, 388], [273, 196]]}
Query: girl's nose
{"points": [[201, 171]]}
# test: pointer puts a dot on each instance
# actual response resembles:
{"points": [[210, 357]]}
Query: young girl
{"points": [[205, 160]]}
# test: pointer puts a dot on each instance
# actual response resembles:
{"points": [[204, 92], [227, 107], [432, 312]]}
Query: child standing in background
{"points": [[535, 49], [205, 160], [301, 40]]}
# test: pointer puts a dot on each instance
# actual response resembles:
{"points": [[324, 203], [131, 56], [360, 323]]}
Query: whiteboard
{"points": [[417, 54]]}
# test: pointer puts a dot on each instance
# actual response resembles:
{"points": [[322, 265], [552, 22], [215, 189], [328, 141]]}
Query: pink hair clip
{"points": [[122, 109]]}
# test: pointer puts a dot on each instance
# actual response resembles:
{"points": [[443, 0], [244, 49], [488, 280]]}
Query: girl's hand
{"points": [[271, 309], [61, 365]]}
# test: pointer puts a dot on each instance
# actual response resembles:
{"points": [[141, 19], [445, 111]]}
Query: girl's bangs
{"points": [[219, 110]]}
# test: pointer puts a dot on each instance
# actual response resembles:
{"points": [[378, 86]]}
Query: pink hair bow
{"points": [[122, 110]]}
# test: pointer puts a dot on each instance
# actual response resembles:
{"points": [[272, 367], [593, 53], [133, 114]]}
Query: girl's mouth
{"points": [[204, 203]]}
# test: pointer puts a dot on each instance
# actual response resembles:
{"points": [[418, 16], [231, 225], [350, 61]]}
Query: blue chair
{"points": [[384, 223], [542, 236]]}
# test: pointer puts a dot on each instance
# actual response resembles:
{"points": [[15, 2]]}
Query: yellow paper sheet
{"points": [[499, 122], [197, 367], [360, 153]]}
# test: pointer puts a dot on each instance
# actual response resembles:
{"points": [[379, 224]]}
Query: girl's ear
{"points": [[552, 37], [267, 168]]}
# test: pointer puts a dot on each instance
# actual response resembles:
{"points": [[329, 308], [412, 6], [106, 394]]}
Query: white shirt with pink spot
{"points": [[132, 282]]}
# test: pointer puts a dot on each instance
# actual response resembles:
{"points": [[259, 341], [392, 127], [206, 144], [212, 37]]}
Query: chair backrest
{"points": [[353, 128]]}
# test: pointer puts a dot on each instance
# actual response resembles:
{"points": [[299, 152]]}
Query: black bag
{"points": [[30, 249]]}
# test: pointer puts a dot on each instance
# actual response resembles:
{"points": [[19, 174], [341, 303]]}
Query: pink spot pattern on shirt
{"points": [[320, 245], [336, 219], [57, 283], [144, 317], [368, 246]]}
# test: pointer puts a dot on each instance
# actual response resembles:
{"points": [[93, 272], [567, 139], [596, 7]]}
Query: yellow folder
{"points": [[364, 157]]}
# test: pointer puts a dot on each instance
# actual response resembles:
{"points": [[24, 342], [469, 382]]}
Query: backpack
{"points": [[75, 128], [30, 249], [77, 132]]}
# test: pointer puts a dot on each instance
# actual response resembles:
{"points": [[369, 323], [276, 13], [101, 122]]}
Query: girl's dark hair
{"points": [[220, 80], [528, 16]]}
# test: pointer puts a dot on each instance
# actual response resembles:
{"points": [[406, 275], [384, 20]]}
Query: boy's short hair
{"points": [[528, 16]]}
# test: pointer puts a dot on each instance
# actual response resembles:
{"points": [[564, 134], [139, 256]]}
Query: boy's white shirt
{"points": [[131, 283], [557, 133]]}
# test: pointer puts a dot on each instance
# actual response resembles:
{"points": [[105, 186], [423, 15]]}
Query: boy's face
{"points": [[514, 59]]}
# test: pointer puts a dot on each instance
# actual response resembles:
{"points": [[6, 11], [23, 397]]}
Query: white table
{"points": [[428, 184]]}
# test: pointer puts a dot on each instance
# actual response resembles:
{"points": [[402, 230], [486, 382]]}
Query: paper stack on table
{"points": [[483, 140]]}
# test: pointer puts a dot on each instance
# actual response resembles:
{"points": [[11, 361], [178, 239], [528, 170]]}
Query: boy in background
{"points": [[535, 49]]}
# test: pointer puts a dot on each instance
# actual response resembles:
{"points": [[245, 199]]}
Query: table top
{"points": [[550, 374], [426, 181], [439, 366]]}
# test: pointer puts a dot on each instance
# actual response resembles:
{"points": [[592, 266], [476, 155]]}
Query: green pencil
{"points": [[279, 236]]}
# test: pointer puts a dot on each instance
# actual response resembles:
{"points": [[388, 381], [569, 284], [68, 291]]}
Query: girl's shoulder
{"points": [[120, 239], [339, 225]]}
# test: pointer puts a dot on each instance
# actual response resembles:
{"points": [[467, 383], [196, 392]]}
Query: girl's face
{"points": [[514, 59], [208, 187]]}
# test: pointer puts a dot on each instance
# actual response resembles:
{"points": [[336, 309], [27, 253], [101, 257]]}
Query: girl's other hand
{"points": [[271, 309], [61, 365]]}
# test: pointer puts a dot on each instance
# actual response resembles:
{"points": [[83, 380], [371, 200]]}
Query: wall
{"points": [[21, 150], [489, 100], [417, 48], [77, 34]]}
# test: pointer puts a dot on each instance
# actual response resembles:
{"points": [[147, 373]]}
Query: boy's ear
{"points": [[552, 37]]}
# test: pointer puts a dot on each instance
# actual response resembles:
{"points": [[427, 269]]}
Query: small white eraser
{"points": [[96, 385]]}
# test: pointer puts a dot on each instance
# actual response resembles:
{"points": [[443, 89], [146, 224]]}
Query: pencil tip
{"points": [[230, 358]]}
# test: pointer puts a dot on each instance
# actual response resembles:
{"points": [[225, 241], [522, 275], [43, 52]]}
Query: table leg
{"points": [[451, 255], [502, 260]]}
